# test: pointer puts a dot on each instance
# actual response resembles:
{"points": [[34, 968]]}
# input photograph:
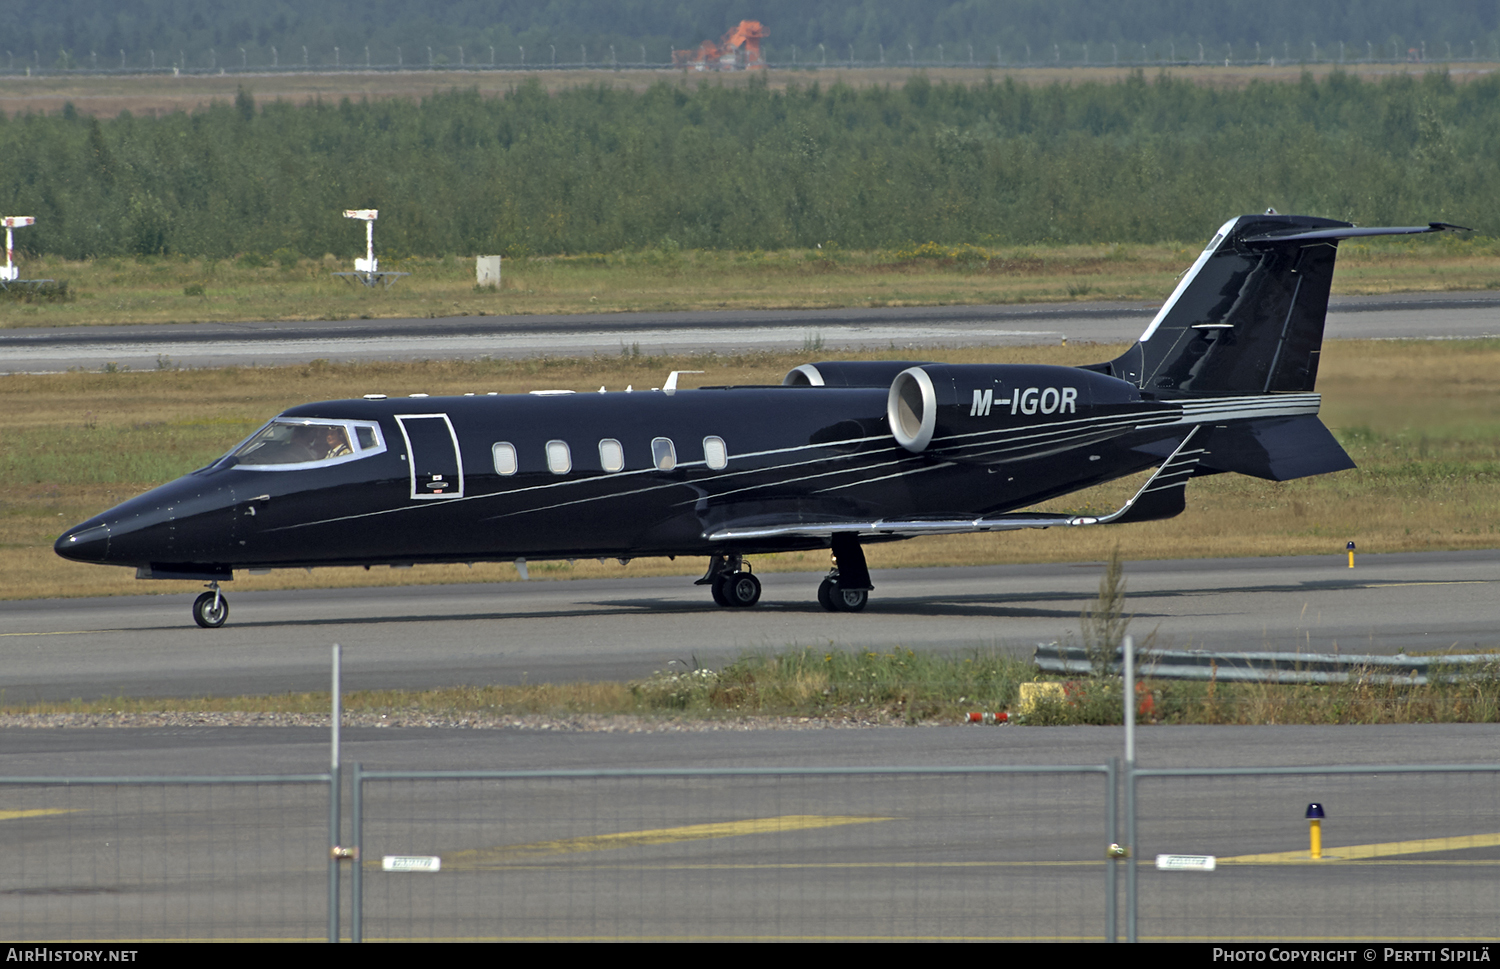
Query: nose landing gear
{"points": [[211, 608]]}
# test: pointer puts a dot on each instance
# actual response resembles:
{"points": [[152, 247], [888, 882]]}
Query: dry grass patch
{"points": [[181, 290]]}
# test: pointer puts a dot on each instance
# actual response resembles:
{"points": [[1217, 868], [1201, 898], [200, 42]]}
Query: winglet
{"points": [[1165, 494]]}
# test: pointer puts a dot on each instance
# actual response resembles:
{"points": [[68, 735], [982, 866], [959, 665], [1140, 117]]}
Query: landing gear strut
{"points": [[847, 586], [730, 580], [211, 609]]}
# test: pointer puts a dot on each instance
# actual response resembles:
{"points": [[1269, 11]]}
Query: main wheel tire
{"points": [[826, 590], [204, 612], [850, 600], [717, 587], [742, 590]]}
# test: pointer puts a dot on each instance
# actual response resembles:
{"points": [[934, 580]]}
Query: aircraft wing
{"points": [[1162, 496]]}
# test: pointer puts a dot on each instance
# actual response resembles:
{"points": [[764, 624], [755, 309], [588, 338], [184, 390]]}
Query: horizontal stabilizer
{"points": [[1354, 232], [1278, 450]]}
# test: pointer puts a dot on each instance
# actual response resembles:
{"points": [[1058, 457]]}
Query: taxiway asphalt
{"points": [[1407, 316], [549, 631]]}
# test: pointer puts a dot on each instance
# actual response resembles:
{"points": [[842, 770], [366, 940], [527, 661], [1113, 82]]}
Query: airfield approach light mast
{"points": [[369, 263], [367, 270], [12, 222]]}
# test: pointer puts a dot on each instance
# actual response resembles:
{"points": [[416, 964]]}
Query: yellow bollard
{"points": [[1350, 548], [1315, 830]]}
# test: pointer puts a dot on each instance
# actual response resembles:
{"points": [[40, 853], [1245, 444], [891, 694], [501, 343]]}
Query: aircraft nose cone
{"points": [[84, 543]]}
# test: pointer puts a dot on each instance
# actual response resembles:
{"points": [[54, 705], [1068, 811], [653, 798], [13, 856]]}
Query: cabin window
{"points": [[559, 458], [611, 455], [290, 443], [715, 454], [505, 457], [663, 453]]}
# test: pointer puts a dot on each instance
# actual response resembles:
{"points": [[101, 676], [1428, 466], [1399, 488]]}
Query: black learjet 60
{"points": [[838, 455]]}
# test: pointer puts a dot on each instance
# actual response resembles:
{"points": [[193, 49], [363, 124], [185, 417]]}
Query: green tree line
{"points": [[748, 167], [198, 35]]}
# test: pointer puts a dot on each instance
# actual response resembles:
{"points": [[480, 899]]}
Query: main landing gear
{"points": [[732, 583], [847, 586], [211, 608]]}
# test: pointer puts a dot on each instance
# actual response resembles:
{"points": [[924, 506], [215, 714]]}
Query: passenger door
{"points": [[436, 465]]}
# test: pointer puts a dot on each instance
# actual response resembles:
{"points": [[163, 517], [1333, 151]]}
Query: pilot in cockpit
{"points": [[335, 442]]}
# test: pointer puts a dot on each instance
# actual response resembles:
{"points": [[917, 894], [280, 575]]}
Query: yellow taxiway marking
{"points": [[494, 857], [1394, 585], [788, 865], [1368, 852], [34, 813]]}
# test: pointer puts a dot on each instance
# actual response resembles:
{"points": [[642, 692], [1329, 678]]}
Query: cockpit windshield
{"points": [[287, 443]]}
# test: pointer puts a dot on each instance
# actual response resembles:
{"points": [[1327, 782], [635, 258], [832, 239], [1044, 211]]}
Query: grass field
{"points": [[258, 287], [1422, 419]]}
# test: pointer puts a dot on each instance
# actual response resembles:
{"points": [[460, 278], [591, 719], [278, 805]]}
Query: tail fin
{"points": [[1247, 318]]}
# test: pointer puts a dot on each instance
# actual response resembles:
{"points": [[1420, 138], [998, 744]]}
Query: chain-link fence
{"points": [[1015, 853], [880, 853], [164, 858], [1407, 853]]}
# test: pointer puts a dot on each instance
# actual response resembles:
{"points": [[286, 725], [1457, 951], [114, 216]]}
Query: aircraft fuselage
{"points": [[624, 475]]}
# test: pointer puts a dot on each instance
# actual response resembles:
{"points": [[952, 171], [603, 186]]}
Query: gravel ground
{"points": [[583, 723]]}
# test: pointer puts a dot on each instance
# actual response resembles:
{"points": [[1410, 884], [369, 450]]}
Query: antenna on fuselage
{"points": [[670, 387]]}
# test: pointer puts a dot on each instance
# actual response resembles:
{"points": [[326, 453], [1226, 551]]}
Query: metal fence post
{"points": [[1111, 855], [1130, 860], [357, 879], [335, 781], [334, 807]]}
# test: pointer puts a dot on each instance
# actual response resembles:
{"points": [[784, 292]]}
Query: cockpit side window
{"points": [[290, 443]]}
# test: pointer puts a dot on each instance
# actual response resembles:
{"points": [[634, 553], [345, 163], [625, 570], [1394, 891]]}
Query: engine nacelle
{"points": [[934, 401], [847, 373]]}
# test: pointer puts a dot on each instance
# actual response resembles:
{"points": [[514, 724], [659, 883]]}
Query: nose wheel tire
{"points": [[210, 610], [738, 589]]}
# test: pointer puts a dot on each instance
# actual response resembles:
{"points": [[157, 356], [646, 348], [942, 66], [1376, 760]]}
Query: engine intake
{"points": [[911, 409]]}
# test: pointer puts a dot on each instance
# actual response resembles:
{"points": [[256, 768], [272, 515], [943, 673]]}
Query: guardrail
{"points": [[1268, 667]]}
